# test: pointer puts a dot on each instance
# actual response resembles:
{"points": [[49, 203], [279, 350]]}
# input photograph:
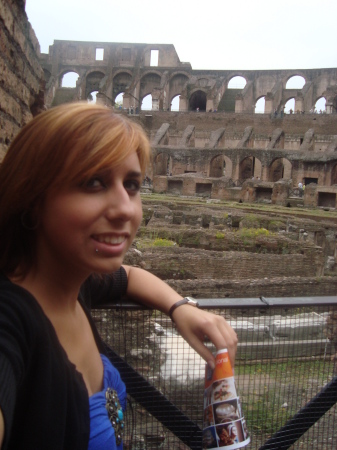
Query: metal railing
{"points": [[285, 372]]}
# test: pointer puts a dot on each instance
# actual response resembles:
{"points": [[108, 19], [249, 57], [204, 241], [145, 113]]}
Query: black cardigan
{"points": [[43, 398]]}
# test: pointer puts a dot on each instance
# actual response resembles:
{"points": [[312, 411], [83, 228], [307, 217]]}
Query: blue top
{"points": [[102, 433]]}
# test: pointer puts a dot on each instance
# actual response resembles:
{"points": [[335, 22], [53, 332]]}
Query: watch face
{"points": [[191, 301]]}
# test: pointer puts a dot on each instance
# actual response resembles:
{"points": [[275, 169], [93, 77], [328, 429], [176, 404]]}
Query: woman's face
{"points": [[89, 227]]}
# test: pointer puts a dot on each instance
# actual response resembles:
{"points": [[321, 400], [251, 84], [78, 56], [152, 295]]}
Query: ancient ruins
{"points": [[217, 145], [233, 222], [215, 148]]}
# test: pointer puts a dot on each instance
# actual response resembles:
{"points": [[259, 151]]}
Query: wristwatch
{"points": [[185, 301]]}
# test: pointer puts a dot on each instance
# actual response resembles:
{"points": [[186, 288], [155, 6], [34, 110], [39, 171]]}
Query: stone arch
{"points": [[121, 82], [198, 99], [119, 100], [295, 82], [177, 83], [232, 85], [161, 164], [320, 104], [237, 82], [174, 104], [227, 167], [72, 75], [146, 103], [149, 81], [92, 97], [250, 167], [289, 106], [220, 166], [280, 168], [260, 105], [92, 81]]}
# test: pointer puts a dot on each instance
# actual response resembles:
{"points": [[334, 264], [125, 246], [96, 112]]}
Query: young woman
{"points": [[69, 209]]}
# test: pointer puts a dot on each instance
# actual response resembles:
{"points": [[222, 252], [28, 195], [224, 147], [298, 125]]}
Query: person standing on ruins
{"points": [[300, 189], [70, 209]]}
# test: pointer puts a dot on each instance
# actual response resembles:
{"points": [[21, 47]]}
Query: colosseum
{"points": [[217, 143]]}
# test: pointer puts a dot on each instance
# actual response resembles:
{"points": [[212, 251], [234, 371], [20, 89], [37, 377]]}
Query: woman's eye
{"points": [[94, 183], [132, 186]]}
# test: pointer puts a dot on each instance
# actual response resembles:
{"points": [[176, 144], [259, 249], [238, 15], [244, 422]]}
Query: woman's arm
{"points": [[193, 324]]}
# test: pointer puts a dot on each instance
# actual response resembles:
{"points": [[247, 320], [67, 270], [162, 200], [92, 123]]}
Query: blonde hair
{"points": [[64, 145]]}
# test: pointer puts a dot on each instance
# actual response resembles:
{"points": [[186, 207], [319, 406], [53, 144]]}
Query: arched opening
{"points": [[175, 103], [177, 85], [147, 103], [260, 105], [234, 87], [295, 82], [250, 168], [119, 101], [227, 167], [220, 166], [198, 100], [289, 107], [121, 83], [280, 168], [217, 167], [148, 83], [237, 83], [161, 164], [334, 175], [320, 105], [69, 79], [92, 97], [93, 82]]}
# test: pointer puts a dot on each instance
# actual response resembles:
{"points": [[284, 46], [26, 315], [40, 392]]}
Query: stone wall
{"points": [[170, 263], [263, 125], [252, 288], [21, 76]]}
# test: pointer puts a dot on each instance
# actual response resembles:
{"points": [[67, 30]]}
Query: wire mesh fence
{"points": [[286, 356]]}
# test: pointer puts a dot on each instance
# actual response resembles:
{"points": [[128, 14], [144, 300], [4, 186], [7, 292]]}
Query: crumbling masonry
{"points": [[230, 154]]}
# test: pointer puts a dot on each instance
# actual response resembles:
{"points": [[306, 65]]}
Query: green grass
{"points": [[277, 390], [249, 207], [252, 233]]}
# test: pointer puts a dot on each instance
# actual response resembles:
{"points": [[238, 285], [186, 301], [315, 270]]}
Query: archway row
{"points": [[222, 166]]}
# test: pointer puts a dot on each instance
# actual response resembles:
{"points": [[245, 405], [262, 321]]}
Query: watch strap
{"points": [[185, 301]]}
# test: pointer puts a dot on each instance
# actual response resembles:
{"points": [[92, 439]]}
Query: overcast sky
{"points": [[210, 34]]}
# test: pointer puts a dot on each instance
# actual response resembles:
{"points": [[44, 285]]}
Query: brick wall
{"points": [[171, 263], [274, 287], [21, 76]]}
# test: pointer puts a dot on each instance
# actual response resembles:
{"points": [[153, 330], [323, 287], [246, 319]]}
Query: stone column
{"points": [[183, 104], [209, 104], [299, 104]]}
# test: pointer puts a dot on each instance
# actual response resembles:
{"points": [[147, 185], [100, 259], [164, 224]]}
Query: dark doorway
{"points": [[175, 187], [198, 100], [203, 189], [327, 199], [310, 180]]}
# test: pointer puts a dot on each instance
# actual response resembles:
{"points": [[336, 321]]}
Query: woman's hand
{"points": [[195, 325]]}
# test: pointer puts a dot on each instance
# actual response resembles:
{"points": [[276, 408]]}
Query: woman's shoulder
{"points": [[103, 289], [18, 307]]}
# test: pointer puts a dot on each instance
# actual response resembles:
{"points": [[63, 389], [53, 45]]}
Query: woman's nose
{"points": [[120, 205]]}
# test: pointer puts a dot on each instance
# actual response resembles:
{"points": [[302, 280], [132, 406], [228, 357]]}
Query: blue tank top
{"points": [[102, 433]]}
